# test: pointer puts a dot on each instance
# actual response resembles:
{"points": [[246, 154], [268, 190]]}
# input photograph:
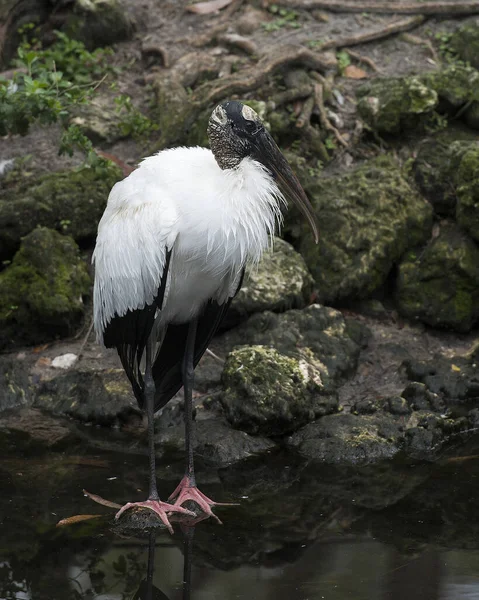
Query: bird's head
{"points": [[236, 132]]}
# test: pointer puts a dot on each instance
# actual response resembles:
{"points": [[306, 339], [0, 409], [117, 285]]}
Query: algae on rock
{"points": [[269, 393], [41, 291], [281, 281], [439, 284], [69, 201], [467, 181], [368, 218], [392, 104], [465, 43]]}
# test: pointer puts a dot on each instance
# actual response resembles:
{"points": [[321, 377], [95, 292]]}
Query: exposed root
{"points": [[325, 122], [290, 96], [238, 41], [251, 78], [364, 59], [414, 39], [401, 8], [306, 112], [377, 34]]}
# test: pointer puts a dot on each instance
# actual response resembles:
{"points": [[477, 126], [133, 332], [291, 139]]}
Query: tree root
{"points": [[364, 59], [377, 34], [325, 122], [291, 95], [413, 39], [400, 8], [251, 78]]}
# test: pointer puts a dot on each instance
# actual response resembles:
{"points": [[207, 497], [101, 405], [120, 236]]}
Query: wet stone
{"points": [[266, 392], [214, 441], [366, 407], [101, 398], [418, 397], [348, 439], [397, 405]]}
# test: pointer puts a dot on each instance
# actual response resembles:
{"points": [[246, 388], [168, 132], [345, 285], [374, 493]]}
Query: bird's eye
{"points": [[250, 126]]}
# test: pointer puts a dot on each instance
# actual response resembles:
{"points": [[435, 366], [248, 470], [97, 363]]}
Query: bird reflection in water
{"points": [[148, 591]]}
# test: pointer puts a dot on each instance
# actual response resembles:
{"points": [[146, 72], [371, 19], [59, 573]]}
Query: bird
{"points": [[170, 255]]}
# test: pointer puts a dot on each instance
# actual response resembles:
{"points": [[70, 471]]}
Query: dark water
{"points": [[302, 531]]}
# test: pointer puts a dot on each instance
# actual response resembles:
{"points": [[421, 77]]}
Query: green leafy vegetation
{"points": [[344, 60], [284, 18], [49, 84]]}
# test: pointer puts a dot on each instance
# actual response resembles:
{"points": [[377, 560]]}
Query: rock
{"points": [[467, 182], [397, 405], [99, 120], [14, 14], [455, 381], [369, 217], [455, 85], [271, 394], [34, 430], [390, 104], [99, 23], [439, 285], [317, 335], [281, 281], [346, 439], [16, 387], [64, 361], [100, 398], [41, 291], [428, 432], [418, 397], [435, 169], [69, 201], [215, 442], [465, 43]]}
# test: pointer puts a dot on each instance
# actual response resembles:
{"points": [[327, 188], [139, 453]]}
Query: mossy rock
{"points": [[467, 182], [281, 281], [435, 169], [69, 201], [439, 284], [346, 439], [391, 104], [98, 120], [41, 291], [317, 335], [455, 85], [465, 43], [99, 23], [269, 393], [368, 218]]}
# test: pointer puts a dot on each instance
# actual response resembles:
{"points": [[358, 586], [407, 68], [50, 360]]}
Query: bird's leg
{"points": [[186, 489], [153, 503]]}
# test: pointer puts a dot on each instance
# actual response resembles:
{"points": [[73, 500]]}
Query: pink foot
{"points": [[186, 491], [160, 508]]}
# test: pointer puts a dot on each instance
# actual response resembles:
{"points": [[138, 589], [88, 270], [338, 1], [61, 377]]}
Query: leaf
{"points": [[352, 72], [455, 368], [76, 519], [205, 8]]}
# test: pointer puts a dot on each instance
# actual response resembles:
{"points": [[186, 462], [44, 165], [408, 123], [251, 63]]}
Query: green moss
{"points": [[455, 85], [69, 201], [441, 287], [464, 43], [390, 105], [41, 291], [467, 182], [368, 218], [269, 393]]}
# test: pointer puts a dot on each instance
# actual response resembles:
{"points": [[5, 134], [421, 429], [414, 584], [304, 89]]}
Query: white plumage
{"points": [[213, 220], [170, 255]]}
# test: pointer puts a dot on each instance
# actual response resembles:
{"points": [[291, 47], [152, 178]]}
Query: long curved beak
{"points": [[268, 154]]}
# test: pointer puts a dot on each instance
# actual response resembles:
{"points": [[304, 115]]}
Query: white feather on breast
{"points": [[214, 220]]}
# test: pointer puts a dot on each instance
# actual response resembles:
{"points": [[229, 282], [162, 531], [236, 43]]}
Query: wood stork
{"points": [[170, 256]]}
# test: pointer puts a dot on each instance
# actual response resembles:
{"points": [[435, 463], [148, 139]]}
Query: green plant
{"points": [[344, 60], [133, 122], [285, 18], [48, 83]]}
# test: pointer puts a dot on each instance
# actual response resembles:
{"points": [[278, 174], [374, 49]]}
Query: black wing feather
{"points": [[129, 335], [167, 366]]}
